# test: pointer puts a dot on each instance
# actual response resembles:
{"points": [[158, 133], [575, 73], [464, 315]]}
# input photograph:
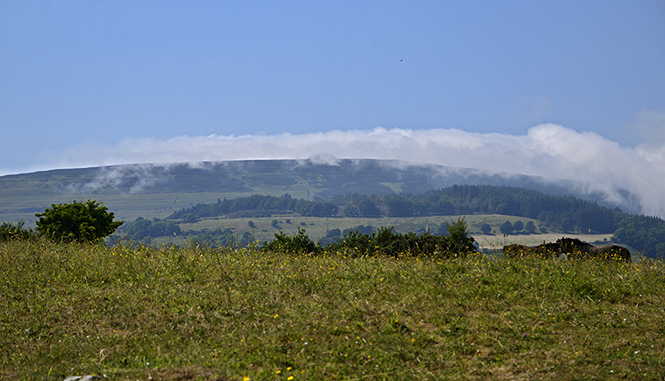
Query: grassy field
{"points": [[317, 227], [125, 206], [138, 313]]}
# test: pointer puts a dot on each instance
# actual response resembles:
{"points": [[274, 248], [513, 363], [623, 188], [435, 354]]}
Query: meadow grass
{"points": [[136, 312], [317, 227]]}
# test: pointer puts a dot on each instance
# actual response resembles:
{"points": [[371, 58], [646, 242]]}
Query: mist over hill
{"points": [[631, 177], [321, 177], [156, 190]]}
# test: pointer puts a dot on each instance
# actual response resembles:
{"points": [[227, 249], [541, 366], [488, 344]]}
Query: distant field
{"points": [[498, 241], [126, 207], [317, 227]]}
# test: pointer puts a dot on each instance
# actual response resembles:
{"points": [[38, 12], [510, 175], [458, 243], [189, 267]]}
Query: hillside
{"points": [[152, 190], [562, 213], [328, 187]]}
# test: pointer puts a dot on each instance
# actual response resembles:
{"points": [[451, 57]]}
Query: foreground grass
{"points": [[189, 313]]}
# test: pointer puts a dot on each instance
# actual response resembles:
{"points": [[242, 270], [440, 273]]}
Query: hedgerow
{"points": [[386, 242]]}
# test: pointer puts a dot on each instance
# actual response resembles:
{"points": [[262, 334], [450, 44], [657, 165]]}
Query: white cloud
{"points": [[548, 150]]}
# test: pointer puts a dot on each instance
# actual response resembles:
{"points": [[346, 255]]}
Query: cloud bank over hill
{"points": [[547, 150]]}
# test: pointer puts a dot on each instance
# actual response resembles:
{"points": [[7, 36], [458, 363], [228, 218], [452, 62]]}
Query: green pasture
{"points": [[127, 207], [191, 313], [317, 227]]}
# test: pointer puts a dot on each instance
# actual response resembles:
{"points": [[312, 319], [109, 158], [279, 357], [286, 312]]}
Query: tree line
{"points": [[256, 206], [562, 213], [644, 233]]}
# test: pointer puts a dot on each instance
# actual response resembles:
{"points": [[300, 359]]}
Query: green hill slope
{"points": [[150, 191]]}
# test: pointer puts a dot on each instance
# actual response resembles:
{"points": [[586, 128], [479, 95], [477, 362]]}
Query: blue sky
{"points": [[87, 83]]}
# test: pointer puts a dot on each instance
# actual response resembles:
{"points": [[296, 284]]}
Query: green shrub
{"points": [[76, 222], [387, 242], [300, 243], [354, 243]]}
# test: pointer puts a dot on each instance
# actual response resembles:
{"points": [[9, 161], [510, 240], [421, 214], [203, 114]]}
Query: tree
{"points": [[299, 243], [458, 240], [76, 222], [506, 227], [138, 229], [143, 229], [530, 227], [518, 226], [367, 208], [486, 228], [400, 207]]}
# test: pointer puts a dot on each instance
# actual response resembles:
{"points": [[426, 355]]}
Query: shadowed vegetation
{"points": [[385, 241]]}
